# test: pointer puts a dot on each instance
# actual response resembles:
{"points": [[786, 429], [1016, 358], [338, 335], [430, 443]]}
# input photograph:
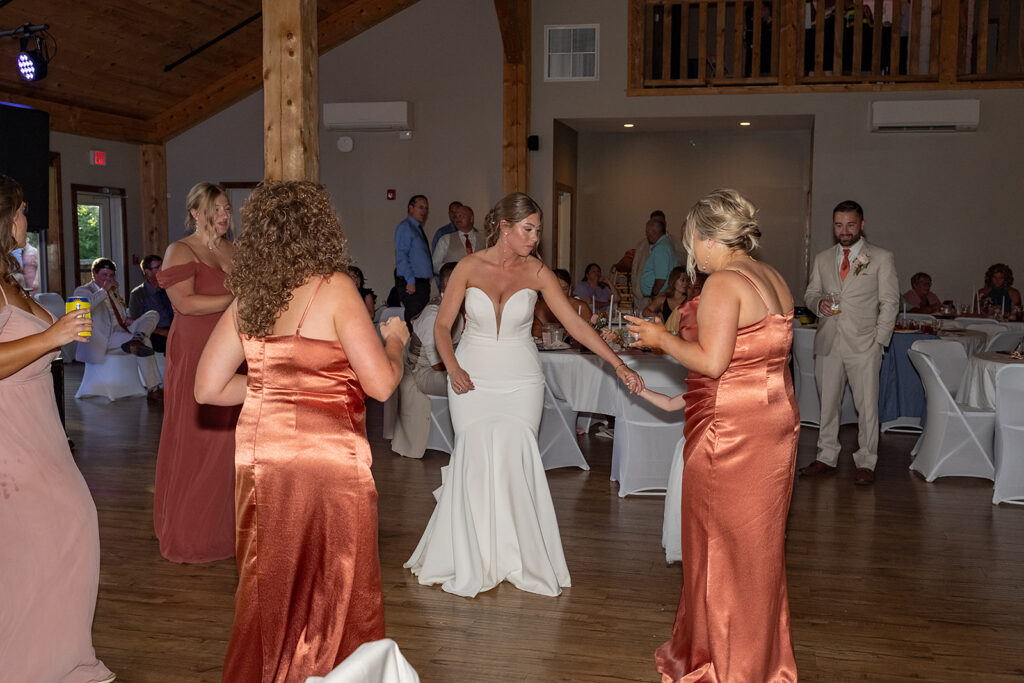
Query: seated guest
{"points": [[110, 329], [150, 296], [543, 315], [594, 287], [998, 294], [369, 298], [920, 298], [672, 298], [424, 375]]}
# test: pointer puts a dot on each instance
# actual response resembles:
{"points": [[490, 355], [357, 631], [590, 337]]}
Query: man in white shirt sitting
{"points": [[111, 329]]}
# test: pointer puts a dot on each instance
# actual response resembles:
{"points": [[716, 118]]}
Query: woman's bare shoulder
{"points": [[179, 253]]}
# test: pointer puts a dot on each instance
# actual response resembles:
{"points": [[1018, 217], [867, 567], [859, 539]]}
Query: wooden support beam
{"points": [[514, 21], [791, 40], [291, 149], [950, 29], [153, 198]]}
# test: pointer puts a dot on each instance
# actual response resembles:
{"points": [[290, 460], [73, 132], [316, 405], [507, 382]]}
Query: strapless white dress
{"points": [[494, 520]]}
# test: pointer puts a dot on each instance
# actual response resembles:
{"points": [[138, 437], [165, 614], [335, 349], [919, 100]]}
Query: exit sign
{"points": [[97, 158]]}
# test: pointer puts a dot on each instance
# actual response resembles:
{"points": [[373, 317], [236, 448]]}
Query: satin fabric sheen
{"points": [[309, 590], [732, 624], [49, 538], [193, 500], [494, 520]]}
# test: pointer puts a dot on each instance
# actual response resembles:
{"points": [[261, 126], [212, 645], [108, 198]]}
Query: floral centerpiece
{"points": [[617, 337]]}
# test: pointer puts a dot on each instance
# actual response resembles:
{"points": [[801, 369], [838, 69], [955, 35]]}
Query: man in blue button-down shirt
{"points": [[413, 268]]}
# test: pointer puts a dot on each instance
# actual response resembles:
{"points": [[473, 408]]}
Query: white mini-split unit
{"points": [[367, 117], [924, 116]]}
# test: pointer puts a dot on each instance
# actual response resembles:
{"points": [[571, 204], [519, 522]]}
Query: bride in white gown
{"points": [[494, 520]]}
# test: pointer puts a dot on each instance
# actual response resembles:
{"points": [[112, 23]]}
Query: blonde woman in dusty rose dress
{"points": [[49, 538]]}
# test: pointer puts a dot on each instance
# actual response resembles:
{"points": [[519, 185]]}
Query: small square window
{"points": [[570, 53]]}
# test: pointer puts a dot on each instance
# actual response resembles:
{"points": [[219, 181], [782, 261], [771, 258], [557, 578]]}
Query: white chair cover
{"points": [[672, 520], [957, 440], [1003, 341], [1009, 439], [557, 436], [805, 386], [442, 437], [990, 329], [116, 377], [646, 436], [377, 662], [54, 303]]}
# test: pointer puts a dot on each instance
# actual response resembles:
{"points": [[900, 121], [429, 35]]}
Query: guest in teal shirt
{"points": [[661, 261]]}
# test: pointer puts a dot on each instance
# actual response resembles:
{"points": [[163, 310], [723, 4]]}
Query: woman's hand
{"points": [[650, 333], [459, 378], [395, 327], [633, 381], [69, 328]]}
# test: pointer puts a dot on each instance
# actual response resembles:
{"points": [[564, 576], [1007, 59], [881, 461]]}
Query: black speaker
{"points": [[25, 156], [533, 143]]}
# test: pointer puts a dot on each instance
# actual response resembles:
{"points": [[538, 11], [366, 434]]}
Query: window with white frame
{"points": [[570, 52]]}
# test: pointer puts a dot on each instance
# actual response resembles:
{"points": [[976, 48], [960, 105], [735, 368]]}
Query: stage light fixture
{"points": [[32, 64]]}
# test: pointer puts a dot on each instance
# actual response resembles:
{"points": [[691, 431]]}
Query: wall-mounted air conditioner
{"points": [[356, 117], [924, 116]]}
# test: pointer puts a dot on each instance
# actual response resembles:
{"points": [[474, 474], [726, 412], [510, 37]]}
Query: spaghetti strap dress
{"points": [[732, 624], [49, 537], [193, 500], [309, 589]]}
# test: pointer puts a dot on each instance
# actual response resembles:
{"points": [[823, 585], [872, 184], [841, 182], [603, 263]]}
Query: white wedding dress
{"points": [[494, 520]]}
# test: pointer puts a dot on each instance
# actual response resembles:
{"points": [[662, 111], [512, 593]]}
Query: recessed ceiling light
{"points": [[628, 125], [744, 123]]}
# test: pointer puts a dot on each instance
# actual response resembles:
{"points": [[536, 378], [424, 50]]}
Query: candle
{"points": [[977, 303], [593, 303], [620, 320]]}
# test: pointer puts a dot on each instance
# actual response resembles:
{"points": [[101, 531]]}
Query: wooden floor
{"points": [[900, 581]]}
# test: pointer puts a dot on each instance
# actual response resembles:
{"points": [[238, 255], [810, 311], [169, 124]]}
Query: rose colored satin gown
{"points": [[193, 502], [732, 625], [309, 590], [49, 539]]}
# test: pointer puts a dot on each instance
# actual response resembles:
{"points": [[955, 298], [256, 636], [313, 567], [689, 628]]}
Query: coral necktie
{"points": [[844, 267], [469, 247]]}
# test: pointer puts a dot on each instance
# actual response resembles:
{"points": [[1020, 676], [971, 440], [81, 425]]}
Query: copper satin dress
{"points": [[49, 538], [732, 624], [193, 501], [309, 589]]}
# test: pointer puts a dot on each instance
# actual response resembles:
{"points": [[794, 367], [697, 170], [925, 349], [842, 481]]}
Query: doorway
{"points": [[99, 228], [565, 228]]}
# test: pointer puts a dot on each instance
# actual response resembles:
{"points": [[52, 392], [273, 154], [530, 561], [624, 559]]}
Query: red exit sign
{"points": [[97, 158]]}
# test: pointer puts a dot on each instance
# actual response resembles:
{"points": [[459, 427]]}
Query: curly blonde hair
{"points": [[724, 216], [290, 233], [11, 196]]}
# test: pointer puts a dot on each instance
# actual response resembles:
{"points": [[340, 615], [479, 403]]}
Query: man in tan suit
{"points": [[854, 326]]}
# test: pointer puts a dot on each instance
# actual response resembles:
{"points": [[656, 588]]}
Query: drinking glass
{"points": [[833, 299]]}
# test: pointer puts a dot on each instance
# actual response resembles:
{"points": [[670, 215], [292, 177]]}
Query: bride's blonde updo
{"points": [[512, 209], [725, 216]]}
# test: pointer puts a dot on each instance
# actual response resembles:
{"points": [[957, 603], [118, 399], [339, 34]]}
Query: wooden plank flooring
{"points": [[900, 581]]}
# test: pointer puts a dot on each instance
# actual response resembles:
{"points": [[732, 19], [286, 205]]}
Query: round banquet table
{"points": [[978, 385]]}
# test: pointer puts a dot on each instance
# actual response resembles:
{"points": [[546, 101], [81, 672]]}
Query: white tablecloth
{"points": [[645, 436], [978, 385], [973, 341]]}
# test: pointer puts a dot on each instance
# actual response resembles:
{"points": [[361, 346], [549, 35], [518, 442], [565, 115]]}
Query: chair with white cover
{"points": [[379, 661], [1009, 439], [646, 436], [556, 438], [990, 329], [1003, 341], [672, 520], [957, 439], [54, 303], [116, 377], [442, 437]]}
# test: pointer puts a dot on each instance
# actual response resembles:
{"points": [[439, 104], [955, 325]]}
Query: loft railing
{"points": [[823, 44]]}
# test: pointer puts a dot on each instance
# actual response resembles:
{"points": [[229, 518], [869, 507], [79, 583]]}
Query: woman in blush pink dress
{"points": [[49, 538]]}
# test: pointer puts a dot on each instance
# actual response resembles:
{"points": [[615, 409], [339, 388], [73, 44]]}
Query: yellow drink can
{"points": [[79, 303]]}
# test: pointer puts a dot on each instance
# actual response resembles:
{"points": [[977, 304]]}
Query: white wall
{"points": [[946, 203], [443, 56]]}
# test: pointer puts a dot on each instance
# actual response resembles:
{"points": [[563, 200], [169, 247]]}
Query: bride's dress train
{"points": [[494, 520]]}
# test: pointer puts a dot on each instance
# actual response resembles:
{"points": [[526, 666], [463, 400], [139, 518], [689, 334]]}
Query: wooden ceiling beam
{"points": [[78, 121]]}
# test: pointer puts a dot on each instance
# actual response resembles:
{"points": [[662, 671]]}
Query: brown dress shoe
{"points": [[864, 477], [155, 395], [815, 468]]}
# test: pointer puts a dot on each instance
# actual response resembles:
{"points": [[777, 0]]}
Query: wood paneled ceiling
{"points": [[107, 78]]}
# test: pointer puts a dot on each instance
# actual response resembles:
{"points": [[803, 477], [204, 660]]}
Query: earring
{"points": [[707, 259]]}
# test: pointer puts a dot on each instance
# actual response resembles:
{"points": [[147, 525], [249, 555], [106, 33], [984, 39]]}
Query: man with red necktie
{"points": [[851, 337], [456, 245]]}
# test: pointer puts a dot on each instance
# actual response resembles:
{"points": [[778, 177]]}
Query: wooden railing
{"points": [[822, 44]]}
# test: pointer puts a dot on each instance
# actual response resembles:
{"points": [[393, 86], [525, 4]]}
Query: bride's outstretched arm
{"points": [[451, 302], [579, 330]]}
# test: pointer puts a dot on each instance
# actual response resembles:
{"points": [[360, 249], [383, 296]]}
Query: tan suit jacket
{"points": [[869, 301]]}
